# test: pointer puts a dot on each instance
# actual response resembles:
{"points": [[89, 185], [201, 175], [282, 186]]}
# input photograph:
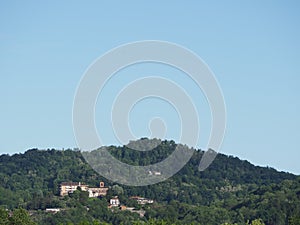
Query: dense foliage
{"points": [[230, 191]]}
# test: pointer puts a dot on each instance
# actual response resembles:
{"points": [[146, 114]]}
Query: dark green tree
{"points": [[4, 218], [21, 217]]}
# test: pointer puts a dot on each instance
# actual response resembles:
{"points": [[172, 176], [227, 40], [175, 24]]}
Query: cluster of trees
{"points": [[230, 191], [18, 216]]}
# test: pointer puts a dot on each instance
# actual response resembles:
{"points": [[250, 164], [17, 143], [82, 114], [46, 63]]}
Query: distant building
{"points": [[70, 187], [114, 202], [123, 207], [156, 173], [53, 210], [96, 192], [141, 200]]}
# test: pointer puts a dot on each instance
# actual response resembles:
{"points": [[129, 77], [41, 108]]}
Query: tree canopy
{"points": [[230, 191]]}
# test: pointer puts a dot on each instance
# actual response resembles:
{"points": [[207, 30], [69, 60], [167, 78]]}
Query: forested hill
{"points": [[230, 190]]}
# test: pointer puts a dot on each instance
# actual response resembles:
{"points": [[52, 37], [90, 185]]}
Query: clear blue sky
{"points": [[252, 47]]}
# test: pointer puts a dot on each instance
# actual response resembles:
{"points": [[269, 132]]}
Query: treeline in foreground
{"points": [[21, 217]]}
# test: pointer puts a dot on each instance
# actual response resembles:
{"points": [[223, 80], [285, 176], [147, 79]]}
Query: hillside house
{"points": [[141, 200], [114, 202], [156, 173]]}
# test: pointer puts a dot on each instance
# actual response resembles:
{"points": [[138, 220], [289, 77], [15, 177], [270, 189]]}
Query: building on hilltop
{"points": [[96, 192], [70, 187]]}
